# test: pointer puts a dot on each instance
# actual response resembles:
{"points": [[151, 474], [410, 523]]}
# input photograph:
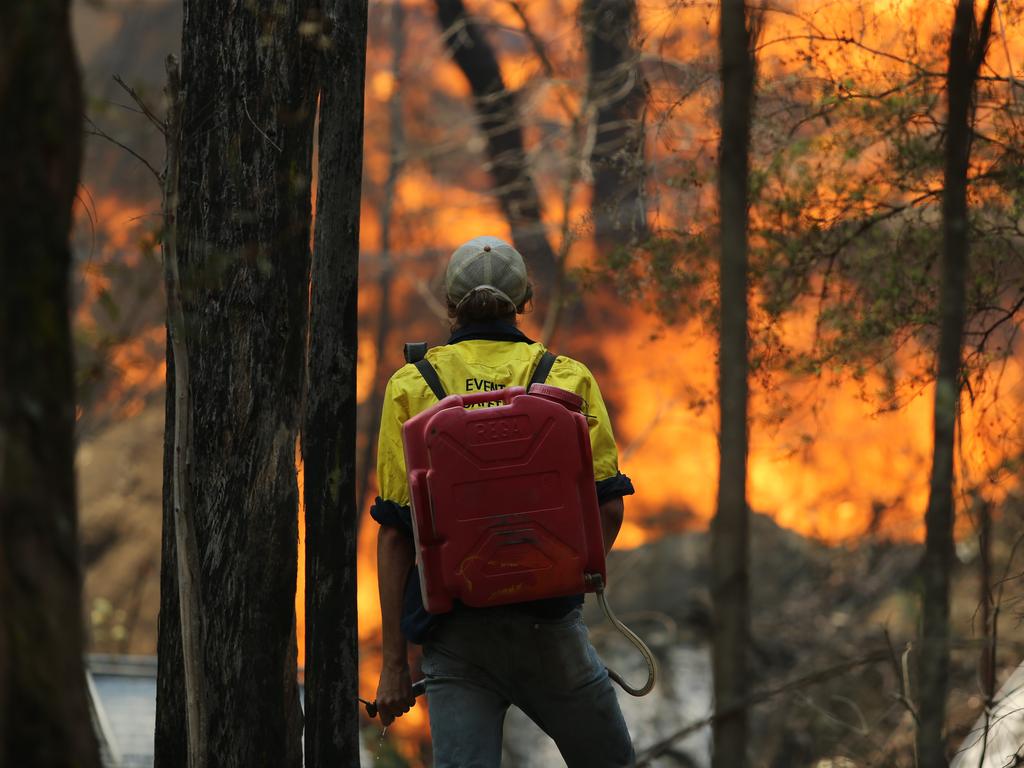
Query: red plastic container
{"points": [[504, 505]]}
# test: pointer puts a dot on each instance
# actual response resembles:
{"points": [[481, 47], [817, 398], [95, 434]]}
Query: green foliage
{"points": [[846, 190], [657, 273], [108, 624]]}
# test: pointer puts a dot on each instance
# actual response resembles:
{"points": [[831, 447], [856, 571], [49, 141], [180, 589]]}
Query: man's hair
{"points": [[483, 306]]}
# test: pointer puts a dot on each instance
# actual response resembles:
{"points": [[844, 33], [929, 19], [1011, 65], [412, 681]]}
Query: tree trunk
{"points": [[729, 530], [170, 741], [243, 213], [617, 93], [965, 59], [329, 428], [44, 709], [497, 111], [989, 617]]}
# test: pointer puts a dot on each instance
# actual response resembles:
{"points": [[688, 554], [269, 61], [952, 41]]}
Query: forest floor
{"points": [[815, 607]]}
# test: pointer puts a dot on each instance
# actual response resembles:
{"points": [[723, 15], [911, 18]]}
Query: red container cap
{"points": [[570, 400]]}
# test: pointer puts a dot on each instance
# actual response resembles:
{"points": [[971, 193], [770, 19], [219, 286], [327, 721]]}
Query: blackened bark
{"points": [[730, 546], [179, 738], [243, 218], [170, 748], [329, 428], [497, 111], [618, 94], [965, 57], [186, 549], [44, 710]]}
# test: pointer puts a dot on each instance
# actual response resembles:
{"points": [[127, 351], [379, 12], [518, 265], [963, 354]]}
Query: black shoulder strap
{"points": [[415, 352], [540, 373], [433, 381]]}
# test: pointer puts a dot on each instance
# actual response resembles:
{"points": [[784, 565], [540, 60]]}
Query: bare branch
{"points": [[97, 131], [431, 301], [143, 106], [90, 212]]}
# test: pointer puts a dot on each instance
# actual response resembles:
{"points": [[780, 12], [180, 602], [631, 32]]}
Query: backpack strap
{"points": [[433, 381], [540, 373], [415, 353]]}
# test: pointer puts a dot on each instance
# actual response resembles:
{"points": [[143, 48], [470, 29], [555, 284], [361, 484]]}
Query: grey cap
{"points": [[486, 263]]}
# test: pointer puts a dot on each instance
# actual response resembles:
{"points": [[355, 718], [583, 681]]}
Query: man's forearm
{"points": [[395, 556], [611, 521]]}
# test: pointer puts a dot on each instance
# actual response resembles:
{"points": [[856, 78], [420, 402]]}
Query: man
{"points": [[477, 662]]}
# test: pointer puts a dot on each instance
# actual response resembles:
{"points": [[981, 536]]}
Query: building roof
{"points": [[123, 694]]}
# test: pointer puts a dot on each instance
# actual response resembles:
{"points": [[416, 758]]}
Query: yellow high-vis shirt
{"points": [[481, 365]]}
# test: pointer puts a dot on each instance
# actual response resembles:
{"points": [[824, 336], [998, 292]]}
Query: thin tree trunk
{"points": [[329, 428], [243, 214], [964, 60], [396, 135], [987, 658], [497, 111], [171, 736], [186, 547], [729, 530], [44, 710], [617, 93], [986, 664], [170, 741]]}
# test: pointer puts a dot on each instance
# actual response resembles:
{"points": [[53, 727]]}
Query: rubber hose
{"points": [[652, 664]]}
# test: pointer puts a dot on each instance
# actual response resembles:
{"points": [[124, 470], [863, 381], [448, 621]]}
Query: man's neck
{"points": [[495, 330]]}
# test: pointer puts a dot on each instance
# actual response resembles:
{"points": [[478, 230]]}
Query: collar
{"points": [[489, 332]]}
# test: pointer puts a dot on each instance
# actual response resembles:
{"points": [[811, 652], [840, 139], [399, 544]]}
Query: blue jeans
{"points": [[477, 663]]}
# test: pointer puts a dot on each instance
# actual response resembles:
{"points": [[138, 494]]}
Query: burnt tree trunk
{"points": [[171, 735], [243, 226], [965, 57], [44, 710], [618, 95], [497, 111], [329, 428], [730, 548]]}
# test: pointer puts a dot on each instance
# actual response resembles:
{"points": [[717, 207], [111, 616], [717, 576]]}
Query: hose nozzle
{"points": [[418, 689]]}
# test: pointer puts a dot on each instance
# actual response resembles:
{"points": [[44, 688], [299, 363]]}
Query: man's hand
{"points": [[394, 693]]}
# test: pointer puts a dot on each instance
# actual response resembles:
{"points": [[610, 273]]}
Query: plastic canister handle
{"points": [[570, 400], [504, 395]]}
